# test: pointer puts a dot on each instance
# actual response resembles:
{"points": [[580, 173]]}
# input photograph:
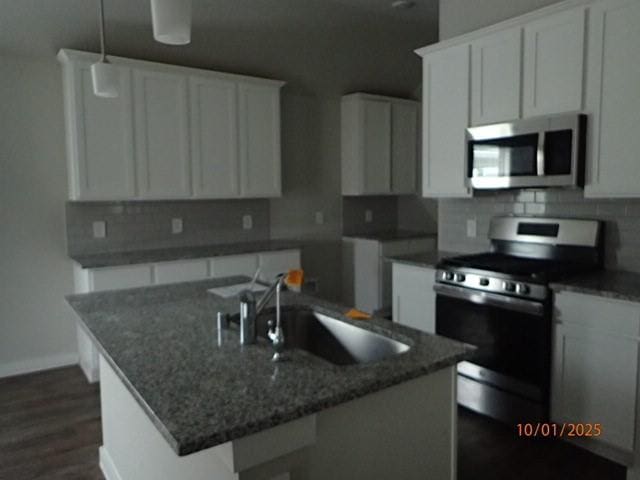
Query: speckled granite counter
{"points": [[391, 235], [162, 342], [112, 259], [611, 284], [427, 259]]}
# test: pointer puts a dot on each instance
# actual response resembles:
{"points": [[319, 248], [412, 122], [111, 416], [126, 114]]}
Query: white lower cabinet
{"points": [[160, 273], [414, 301], [595, 369], [273, 263], [234, 265], [180, 271]]}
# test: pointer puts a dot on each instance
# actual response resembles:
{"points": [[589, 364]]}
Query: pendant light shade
{"points": [[104, 76], [171, 21]]}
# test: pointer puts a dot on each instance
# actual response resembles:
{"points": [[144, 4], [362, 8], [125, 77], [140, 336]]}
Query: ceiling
{"points": [[317, 46]]}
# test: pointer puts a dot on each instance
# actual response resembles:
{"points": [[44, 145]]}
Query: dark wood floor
{"points": [[50, 429]]}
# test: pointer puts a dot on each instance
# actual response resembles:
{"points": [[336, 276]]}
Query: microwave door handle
{"points": [[540, 154], [483, 298]]}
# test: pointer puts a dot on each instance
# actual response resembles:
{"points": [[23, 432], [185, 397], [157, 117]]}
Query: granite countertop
{"points": [[112, 259], [391, 235], [163, 343], [618, 285], [427, 259]]}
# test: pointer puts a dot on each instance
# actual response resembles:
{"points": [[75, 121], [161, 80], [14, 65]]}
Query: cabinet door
{"points": [[404, 147], [99, 137], [273, 263], [376, 146], [259, 140], [595, 366], [234, 265], [553, 63], [162, 138], [495, 77], [180, 271], [214, 138], [445, 117], [414, 301], [115, 278], [613, 99]]}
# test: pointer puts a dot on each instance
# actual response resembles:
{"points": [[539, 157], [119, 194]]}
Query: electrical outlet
{"points": [[472, 227], [176, 225], [319, 218], [99, 229], [247, 222], [368, 216]]}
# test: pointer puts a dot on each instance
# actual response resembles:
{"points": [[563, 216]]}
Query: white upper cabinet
{"points": [[445, 117], [379, 145], [162, 135], [259, 108], [214, 137], [404, 147], [173, 132], [553, 63], [496, 62], [99, 137], [613, 99]]}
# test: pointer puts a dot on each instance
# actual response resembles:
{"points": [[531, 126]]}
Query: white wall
{"points": [[462, 16], [36, 329]]}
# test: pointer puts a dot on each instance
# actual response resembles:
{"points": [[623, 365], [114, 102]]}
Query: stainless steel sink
{"points": [[331, 339]]}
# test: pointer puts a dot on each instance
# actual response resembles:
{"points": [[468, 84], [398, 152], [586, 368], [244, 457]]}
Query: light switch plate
{"points": [[319, 218], [176, 225], [247, 222], [99, 229], [368, 216], [472, 227]]}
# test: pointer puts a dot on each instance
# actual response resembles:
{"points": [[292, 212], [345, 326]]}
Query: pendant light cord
{"points": [[103, 57]]}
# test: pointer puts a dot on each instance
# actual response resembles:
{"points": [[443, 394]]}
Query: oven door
{"points": [[512, 336]]}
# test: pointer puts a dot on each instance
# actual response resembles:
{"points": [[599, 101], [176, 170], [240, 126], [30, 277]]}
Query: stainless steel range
{"points": [[500, 301]]}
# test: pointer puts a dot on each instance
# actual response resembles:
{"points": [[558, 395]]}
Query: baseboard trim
{"points": [[107, 466], [38, 364]]}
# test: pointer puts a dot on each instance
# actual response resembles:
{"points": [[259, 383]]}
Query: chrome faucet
{"points": [[249, 311]]}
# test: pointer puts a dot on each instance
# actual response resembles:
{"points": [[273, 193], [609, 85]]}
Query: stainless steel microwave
{"points": [[536, 152]]}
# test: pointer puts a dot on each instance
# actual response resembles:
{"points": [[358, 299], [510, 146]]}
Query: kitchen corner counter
{"points": [[201, 389], [618, 285], [113, 259], [427, 259]]}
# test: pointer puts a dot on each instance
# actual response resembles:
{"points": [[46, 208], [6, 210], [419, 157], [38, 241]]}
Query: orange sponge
{"points": [[357, 314], [294, 279]]}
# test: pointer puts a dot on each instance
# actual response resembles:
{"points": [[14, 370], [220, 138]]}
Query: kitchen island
{"points": [[182, 400]]}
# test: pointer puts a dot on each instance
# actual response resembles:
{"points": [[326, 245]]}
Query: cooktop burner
{"points": [[538, 269]]}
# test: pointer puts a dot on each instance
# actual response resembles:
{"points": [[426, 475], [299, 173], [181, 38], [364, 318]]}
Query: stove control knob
{"points": [[484, 282], [447, 276], [509, 286], [522, 289], [460, 277]]}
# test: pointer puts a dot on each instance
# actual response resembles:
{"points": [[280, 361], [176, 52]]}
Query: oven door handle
{"points": [[492, 299]]}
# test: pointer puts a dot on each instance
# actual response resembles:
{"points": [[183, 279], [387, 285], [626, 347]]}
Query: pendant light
{"points": [[104, 75], [171, 21]]}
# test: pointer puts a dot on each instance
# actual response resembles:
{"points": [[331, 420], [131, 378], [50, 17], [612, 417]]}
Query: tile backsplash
{"points": [[622, 217], [384, 214], [147, 225]]}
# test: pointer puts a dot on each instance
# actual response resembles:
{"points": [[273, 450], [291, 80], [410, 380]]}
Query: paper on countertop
{"points": [[233, 290]]}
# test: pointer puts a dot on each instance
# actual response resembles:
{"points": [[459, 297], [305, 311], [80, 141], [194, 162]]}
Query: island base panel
{"points": [[406, 431]]}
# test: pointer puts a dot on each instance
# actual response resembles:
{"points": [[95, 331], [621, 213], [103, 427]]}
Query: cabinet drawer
{"points": [[611, 316], [113, 278], [182, 271], [234, 265]]}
